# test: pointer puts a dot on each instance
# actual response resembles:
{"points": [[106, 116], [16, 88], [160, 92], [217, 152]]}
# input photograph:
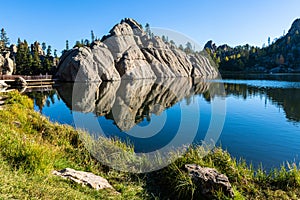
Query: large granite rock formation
{"points": [[129, 51], [7, 65], [82, 64]]}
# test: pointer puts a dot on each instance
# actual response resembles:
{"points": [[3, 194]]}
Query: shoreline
{"points": [[32, 146]]}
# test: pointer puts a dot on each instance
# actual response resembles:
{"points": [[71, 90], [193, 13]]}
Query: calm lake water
{"points": [[262, 121]]}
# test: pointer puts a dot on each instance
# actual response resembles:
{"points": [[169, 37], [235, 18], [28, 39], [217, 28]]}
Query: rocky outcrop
{"points": [[82, 64], [295, 28], [84, 178], [2, 60], [134, 55], [208, 180], [133, 65], [7, 65], [37, 47], [202, 67]]}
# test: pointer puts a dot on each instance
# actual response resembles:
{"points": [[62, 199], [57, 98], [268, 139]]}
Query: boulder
{"points": [[7, 65], [82, 64], [13, 49], [1, 63], [37, 47], [84, 178], [208, 180]]}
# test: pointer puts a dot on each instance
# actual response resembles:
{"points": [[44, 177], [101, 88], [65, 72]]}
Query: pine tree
{"points": [[44, 46], [172, 42], [49, 51], [147, 29], [67, 45], [92, 36], [36, 61], [86, 42], [188, 48], [4, 40], [24, 58], [181, 47]]}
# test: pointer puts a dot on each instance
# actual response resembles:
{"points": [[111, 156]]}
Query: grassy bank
{"points": [[31, 147]]}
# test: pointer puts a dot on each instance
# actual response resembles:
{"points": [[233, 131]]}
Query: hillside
{"points": [[283, 55]]}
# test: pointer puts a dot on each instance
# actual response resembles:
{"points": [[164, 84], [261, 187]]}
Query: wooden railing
{"points": [[35, 77]]}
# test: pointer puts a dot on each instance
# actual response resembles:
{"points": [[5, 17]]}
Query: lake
{"points": [[257, 116]]}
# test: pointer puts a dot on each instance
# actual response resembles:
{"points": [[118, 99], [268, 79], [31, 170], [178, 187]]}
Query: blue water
{"points": [[262, 121]]}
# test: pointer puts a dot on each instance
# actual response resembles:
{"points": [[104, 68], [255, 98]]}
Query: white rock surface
{"points": [[84, 178]]}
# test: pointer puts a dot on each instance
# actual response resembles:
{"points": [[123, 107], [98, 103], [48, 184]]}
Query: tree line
{"points": [[283, 52], [29, 59]]}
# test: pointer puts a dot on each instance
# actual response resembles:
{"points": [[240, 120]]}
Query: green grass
{"points": [[31, 147]]}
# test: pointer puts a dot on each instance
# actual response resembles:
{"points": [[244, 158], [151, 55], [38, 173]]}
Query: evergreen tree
{"points": [[86, 42], [172, 42], [67, 45], [47, 65], [49, 51], [4, 40], [36, 61], [44, 46], [55, 53], [92, 36], [188, 48], [24, 58], [147, 29], [181, 47], [79, 44]]}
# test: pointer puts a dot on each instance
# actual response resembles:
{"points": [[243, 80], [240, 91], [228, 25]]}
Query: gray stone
{"points": [[37, 47], [13, 49], [209, 179], [202, 67], [84, 178], [129, 51], [7, 65], [133, 65], [87, 64]]}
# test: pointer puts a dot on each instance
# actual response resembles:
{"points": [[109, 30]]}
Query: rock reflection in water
{"points": [[129, 102]]}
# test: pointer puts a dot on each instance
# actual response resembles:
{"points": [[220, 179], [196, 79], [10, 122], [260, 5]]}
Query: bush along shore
{"points": [[32, 147]]}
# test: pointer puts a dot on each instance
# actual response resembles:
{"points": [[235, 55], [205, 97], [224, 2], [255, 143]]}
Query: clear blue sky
{"points": [[224, 21]]}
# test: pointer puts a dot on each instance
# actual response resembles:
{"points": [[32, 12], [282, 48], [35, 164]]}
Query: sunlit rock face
{"points": [[129, 53], [86, 64], [7, 65], [129, 102]]}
